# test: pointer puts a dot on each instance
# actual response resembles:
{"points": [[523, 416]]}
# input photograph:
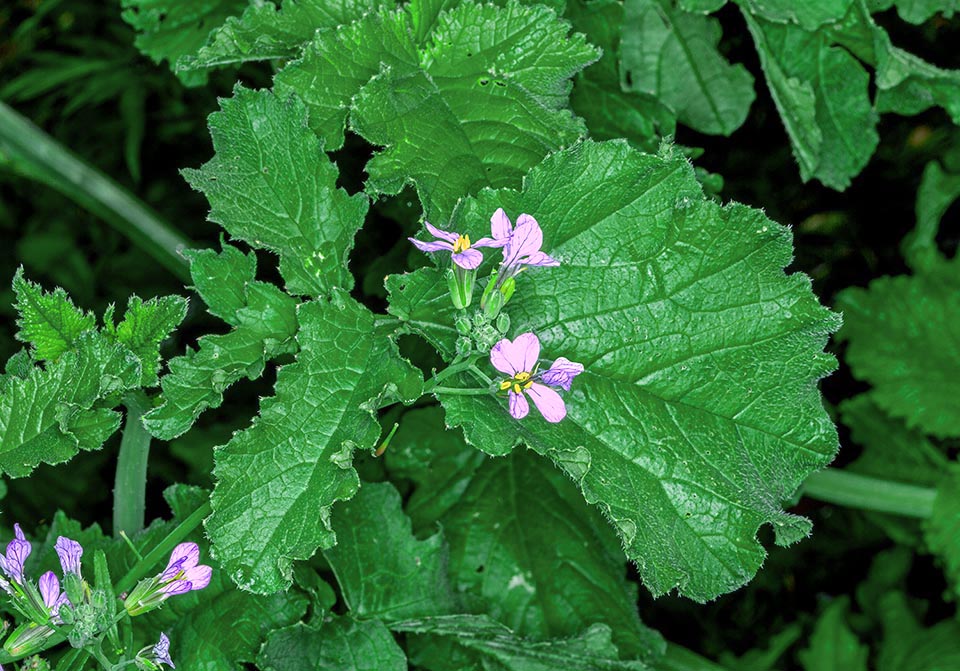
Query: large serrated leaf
{"points": [[942, 529], [49, 322], [145, 325], [342, 643], [271, 185], [694, 341], [277, 479]]}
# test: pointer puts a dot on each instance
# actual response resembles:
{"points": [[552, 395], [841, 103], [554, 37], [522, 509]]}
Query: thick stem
{"points": [[32, 153], [860, 491], [678, 658], [130, 489]]}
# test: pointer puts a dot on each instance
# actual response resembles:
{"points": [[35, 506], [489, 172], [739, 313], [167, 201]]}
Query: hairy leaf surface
{"points": [[277, 479], [49, 321], [341, 643], [145, 325], [942, 529], [694, 342]]}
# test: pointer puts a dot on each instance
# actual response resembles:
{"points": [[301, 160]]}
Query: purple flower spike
{"points": [[463, 252], [518, 359], [161, 651], [17, 552], [561, 373], [70, 552]]}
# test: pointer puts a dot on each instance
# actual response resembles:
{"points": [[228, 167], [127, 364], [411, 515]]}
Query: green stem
{"points": [[455, 367], [678, 658], [130, 489], [453, 391], [860, 491], [32, 153]]}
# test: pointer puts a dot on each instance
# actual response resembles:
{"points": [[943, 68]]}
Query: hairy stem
{"points": [[843, 488], [130, 488], [30, 152]]}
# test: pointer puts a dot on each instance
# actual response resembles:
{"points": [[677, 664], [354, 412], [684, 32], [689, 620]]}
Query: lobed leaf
{"points": [[833, 647], [271, 185], [277, 479], [49, 321], [942, 529], [672, 55], [144, 327], [341, 643], [694, 342]]}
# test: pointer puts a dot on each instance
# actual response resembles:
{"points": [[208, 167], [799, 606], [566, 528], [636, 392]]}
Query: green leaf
{"points": [[496, 648], [270, 185], [694, 340], [342, 643], [383, 570], [471, 108], [938, 190], [49, 321], [821, 92], [277, 479], [169, 29], [265, 323], [808, 15], [898, 333], [609, 111], [833, 647], [338, 63], [906, 646], [439, 462], [918, 11], [265, 31], [546, 564], [673, 56], [701, 6], [942, 530], [49, 415], [145, 325]]}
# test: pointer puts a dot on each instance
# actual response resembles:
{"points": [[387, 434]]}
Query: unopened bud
{"points": [[27, 639]]}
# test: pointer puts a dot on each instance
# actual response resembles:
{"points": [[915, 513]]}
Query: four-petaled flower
{"points": [[183, 574], [18, 550], [463, 252], [70, 552], [53, 598], [519, 359], [522, 243], [161, 651]]}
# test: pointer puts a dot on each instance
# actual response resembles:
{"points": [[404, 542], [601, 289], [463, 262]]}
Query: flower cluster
{"points": [[518, 359], [72, 608]]}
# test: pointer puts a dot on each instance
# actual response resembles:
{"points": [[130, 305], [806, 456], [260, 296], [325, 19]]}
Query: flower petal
{"points": [[526, 240], [540, 259], [49, 588], [176, 587], [436, 246], [161, 651], [443, 235], [561, 373], [490, 242], [527, 347], [18, 532], [468, 259], [17, 552], [502, 358], [500, 226], [548, 402], [518, 405], [70, 552], [198, 576], [185, 556]]}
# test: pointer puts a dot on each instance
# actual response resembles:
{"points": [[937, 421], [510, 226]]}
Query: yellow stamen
{"points": [[528, 384], [516, 389], [462, 244], [521, 377], [504, 385]]}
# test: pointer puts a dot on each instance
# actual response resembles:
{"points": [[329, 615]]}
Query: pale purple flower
{"points": [[53, 598], [161, 651], [519, 359], [463, 252], [523, 242], [561, 373], [183, 572], [70, 552], [18, 550]]}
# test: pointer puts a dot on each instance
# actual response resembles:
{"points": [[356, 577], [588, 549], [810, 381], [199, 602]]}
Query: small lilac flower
{"points": [[464, 254], [161, 651], [53, 598], [561, 373], [523, 243], [70, 552], [519, 359], [183, 573], [17, 552]]}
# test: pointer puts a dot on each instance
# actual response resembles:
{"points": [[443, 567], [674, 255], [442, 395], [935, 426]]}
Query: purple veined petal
{"points": [[18, 532], [49, 589], [518, 405], [172, 571], [161, 651], [17, 552], [183, 558], [500, 226], [489, 242], [468, 259], [526, 348], [198, 576], [500, 357], [176, 587], [526, 240], [62, 600], [70, 552], [436, 246], [548, 402], [561, 373], [540, 259], [443, 235]]}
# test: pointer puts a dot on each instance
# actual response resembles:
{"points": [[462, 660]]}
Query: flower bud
{"points": [[27, 639], [461, 282]]}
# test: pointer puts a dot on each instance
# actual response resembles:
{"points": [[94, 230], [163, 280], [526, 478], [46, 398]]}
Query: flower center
{"points": [[519, 382], [462, 244]]}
